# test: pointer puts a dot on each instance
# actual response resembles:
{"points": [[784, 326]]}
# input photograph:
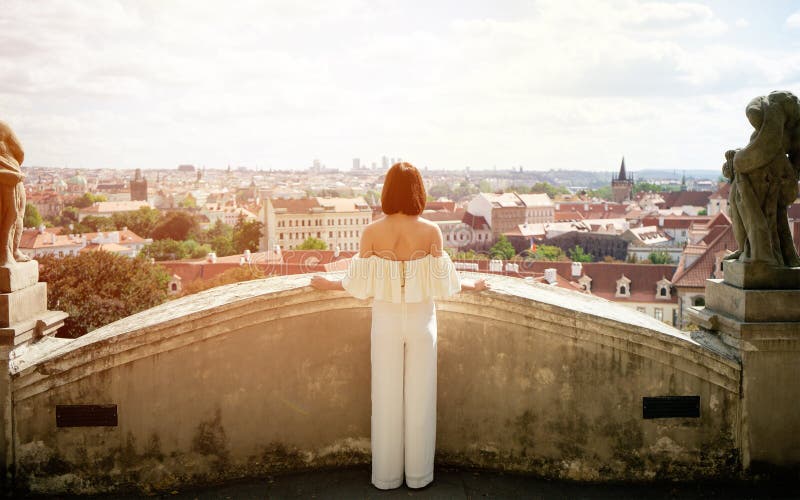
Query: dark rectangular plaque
{"points": [[671, 407], [86, 415]]}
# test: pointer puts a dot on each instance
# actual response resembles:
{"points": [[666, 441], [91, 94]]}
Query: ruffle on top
{"points": [[426, 278]]}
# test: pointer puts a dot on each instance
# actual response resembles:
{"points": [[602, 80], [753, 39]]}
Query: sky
{"points": [[443, 84]]}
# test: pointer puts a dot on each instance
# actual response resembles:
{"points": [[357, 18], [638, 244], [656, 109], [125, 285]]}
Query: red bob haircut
{"points": [[403, 190]]}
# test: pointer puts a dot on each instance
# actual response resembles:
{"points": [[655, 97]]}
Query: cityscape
{"points": [[198, 202], [647, 243]]}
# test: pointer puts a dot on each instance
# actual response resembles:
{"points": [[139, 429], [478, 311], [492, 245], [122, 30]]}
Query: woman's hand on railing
{"points": [[477, 285], [323, 283]]}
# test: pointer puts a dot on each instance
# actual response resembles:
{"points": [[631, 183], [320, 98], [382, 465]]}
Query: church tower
{"points": [[622, 185], [138, 186]]}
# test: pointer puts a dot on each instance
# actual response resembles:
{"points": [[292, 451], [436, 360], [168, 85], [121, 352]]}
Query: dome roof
{"points": [[77, 179]]}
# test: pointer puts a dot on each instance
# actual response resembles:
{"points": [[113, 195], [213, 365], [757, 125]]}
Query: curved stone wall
{"points": [[270, 375]]}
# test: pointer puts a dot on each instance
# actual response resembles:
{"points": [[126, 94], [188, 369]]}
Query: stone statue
{"points": [[12, 198], [764, 176]]}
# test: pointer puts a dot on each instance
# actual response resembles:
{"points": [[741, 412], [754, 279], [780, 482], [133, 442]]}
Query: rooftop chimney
{"points": [[577, 269], [550, 275]]}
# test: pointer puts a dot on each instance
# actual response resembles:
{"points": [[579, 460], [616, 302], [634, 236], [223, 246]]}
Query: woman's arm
{"points": [[365, 249], [436, 250]]}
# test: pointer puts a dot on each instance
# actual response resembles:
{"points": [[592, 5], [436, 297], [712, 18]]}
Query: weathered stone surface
{"points": [[18, 276], [764, 177], [759, 275], [12, 198], [22, 304], [270, 375], [752, 305]]}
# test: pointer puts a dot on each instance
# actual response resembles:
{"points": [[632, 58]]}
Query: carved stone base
{"points": [[18, 276], [761, 276], [763, 306]]}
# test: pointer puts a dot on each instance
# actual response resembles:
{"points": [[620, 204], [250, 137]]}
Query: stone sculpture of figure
{"points": [[764, 177], [12, 197]]}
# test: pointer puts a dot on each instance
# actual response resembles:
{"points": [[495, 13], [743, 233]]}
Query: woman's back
{"points": [[401, 237]]}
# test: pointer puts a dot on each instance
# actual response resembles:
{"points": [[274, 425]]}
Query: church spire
{"points": [[622, 176]]}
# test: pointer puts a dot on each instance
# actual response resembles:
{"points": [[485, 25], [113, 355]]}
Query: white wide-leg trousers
{"points": [[403, 393]]}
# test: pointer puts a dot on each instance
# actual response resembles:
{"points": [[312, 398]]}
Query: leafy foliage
{"points": [[246, 234], [549, 189], [176, 226], [97, 288], [502, 249], [578, 255], [220, 237], [659, 258], [141, 222], [312, 243], [85, 201], [169, 249], [31, 217]]}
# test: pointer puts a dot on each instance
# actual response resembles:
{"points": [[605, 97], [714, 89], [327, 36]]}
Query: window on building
{"points": [[663, 291], [319, 235], [174, 287], [623, 290], [699, 301], [658, 313], [330, 234]]}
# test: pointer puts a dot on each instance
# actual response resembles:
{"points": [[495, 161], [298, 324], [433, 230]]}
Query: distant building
{"points": [[339, 222], [718, 202], [356, 164], [138, 187], [41, 241], [505, 211], [622, 185], [109, 208], [186, 168]]}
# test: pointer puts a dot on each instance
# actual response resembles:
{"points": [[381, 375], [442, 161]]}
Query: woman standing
{"points": [[402, 267]]}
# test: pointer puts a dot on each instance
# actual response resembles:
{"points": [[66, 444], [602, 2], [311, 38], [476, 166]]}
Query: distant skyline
{"points": [[541, 84]]}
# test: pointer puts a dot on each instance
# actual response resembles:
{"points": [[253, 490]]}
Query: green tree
{"points": [[188, 202], [548, 252], [484, 186], [660, 257], [97, 223], [176, 226], [166, 249], [141, 222], [32, 217], [646, 187], [548, 189], [97, 288], [440, 190], [312, 243], [246, 234], [578, 255], [86, 200], [502, 249], [603, 193], [220, 237]]}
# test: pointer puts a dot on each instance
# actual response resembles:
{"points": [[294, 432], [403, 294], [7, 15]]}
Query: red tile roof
{"points": [[685, 198], [295, 205], [696, 274], [476, 222], [444, 215]]}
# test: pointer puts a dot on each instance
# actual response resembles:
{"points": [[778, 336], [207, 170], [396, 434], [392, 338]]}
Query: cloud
{"points": [[793, 21], [275, 84]]}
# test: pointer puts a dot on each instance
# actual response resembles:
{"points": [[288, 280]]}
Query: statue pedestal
{"points": [[18, 276], [756, 311], [24, 319]]}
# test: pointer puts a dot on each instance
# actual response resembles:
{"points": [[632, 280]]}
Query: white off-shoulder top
{"points": [[426, 278]]}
